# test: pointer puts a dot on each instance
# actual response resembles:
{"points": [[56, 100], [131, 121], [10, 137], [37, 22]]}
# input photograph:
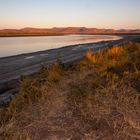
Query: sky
{"points": [[116, 14]]}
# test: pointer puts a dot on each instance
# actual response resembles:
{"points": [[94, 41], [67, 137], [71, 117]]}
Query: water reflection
{"points": [[17, 45]]}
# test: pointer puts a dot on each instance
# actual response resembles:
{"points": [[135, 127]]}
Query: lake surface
{"points": [[18, 45]]}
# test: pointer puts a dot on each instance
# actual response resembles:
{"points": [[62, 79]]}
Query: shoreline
{"points": [[63, 45], [13, 67], [53, 49], [40, 35]]}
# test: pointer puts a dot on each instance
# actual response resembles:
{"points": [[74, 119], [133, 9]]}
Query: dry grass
{"points": [[115, 51], [110, 98], [95, 99], [32, 90]]}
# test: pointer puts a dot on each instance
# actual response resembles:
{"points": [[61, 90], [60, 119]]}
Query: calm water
{"points": [[18, 45]]}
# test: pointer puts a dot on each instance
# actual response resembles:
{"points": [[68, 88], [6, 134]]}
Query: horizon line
{"points": [[26, 27]]}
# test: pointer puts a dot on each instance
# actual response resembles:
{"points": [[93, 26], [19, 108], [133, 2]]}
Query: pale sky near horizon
{"points": [[115, 14]]}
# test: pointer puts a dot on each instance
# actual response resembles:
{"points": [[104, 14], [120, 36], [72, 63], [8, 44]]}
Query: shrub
{"points": [[80, 89], [55, 73], [115, 51]]}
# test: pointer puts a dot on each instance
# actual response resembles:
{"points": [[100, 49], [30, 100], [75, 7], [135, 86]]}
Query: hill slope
{"points": [[68, 30]]}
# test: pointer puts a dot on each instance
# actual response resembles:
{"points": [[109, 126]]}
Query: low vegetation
{"points": [[97, 98]]}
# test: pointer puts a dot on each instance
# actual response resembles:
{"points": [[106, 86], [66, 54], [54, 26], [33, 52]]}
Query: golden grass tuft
{"points": [[90, 56], [115, 51]]}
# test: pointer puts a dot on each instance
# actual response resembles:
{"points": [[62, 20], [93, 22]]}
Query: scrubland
{"points": [[97, 98]]}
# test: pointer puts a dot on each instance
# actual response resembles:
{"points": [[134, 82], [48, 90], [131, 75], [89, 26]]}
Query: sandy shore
{"points": [[11, 68]]}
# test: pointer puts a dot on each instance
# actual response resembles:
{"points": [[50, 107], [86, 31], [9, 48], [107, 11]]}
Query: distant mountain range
{"points": [[67, 30]]}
